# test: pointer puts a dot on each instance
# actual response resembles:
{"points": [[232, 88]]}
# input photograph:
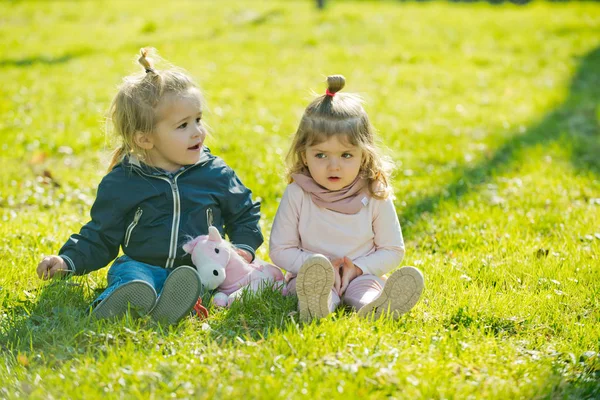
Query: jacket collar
{"points": [[133, 162]]}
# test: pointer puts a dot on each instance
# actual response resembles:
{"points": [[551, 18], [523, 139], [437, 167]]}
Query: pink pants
{"points": [[360, 292]]}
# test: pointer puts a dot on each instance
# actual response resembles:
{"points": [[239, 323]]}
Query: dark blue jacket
{"points": [[150, 214]]}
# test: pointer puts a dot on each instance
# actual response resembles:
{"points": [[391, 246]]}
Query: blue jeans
{"points": [[126, 269]]}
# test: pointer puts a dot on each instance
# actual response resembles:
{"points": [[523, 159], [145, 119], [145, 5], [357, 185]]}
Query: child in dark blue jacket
{"points": [[163, 186]]}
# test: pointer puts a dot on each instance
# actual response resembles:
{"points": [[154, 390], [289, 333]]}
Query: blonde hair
{"points": [[341, 115], [133, 108]]}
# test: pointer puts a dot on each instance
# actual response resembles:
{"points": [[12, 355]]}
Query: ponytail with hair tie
{"points": [[145, 61], [335, 83]]}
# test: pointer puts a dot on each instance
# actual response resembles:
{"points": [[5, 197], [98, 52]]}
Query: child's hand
{"points": [[245, 254], [349, 271], [337, 273], [338, 264], [52, 266]]}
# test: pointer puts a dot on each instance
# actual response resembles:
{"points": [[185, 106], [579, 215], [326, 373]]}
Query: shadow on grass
{"points": [[44, 59], [55, 325], [575, 123], [253, 317], [56, 322], [44, 319]]}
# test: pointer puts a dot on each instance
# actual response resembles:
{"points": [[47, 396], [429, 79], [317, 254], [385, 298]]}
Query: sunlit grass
{"points": [[490, 112]]}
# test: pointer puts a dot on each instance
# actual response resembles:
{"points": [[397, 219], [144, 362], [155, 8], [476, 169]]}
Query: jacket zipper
{"points": [[176, 214], [209, 216], [176, 218], [136, 219]]}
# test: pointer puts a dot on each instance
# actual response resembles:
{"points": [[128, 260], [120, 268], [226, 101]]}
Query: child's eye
{"points": [[198, 120], [346, 155], [320, 155], [182, 126]]}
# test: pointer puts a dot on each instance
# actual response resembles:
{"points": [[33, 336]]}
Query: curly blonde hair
{"points": [[341, 115]]}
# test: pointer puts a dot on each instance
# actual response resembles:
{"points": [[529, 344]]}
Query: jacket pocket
{"points": [[132, 225]]}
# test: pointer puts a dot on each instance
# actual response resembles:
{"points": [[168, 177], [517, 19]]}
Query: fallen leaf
{"points": [[23, 360], [38, 158]]}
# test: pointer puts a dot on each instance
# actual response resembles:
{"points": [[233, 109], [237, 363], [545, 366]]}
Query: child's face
{"points": [[333, 164], [179, 135]]}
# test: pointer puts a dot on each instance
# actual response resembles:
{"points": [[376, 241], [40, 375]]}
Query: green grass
{"points": [[491, 113]]}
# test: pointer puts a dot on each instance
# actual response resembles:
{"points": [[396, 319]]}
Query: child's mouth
{"points": [[334, 178], [196, 147]]}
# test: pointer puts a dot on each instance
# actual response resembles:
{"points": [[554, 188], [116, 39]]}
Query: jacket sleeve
{"points": [[241, 215], [285, 248], [99, 240], [389, 244]]}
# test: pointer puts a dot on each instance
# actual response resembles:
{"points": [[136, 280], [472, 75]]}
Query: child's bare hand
{"points": [[52, 266], [244, 254], [349, 271]]}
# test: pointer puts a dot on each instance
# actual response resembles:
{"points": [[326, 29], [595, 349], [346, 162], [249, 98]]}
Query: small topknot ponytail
{"points": [[145, 61], [335, 83]]}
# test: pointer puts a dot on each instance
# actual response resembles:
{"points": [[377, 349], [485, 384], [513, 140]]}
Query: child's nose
{"points": [[198, 130], [334, 163]]}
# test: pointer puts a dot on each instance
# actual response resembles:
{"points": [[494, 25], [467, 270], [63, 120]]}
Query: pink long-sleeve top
{"points": [[372, 238]]}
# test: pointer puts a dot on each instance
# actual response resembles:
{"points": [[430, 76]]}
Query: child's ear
{"points": [[143, 140], [303, 155]]}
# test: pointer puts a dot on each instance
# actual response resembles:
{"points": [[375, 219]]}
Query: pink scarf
{"points": [[348, 200]]}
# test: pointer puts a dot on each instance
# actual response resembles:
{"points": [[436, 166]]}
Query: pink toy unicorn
{"points": [[221, 267]]}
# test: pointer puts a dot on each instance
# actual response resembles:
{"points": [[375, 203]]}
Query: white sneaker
{"points": [[400, 293], [313, 287]]}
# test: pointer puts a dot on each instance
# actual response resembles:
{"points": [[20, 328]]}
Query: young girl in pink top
{"points": [[336, 231]]}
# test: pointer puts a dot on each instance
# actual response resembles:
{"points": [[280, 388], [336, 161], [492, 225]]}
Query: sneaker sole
{"points": [[399, 295], [313, 287], [179, 295], [138, 296]]}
